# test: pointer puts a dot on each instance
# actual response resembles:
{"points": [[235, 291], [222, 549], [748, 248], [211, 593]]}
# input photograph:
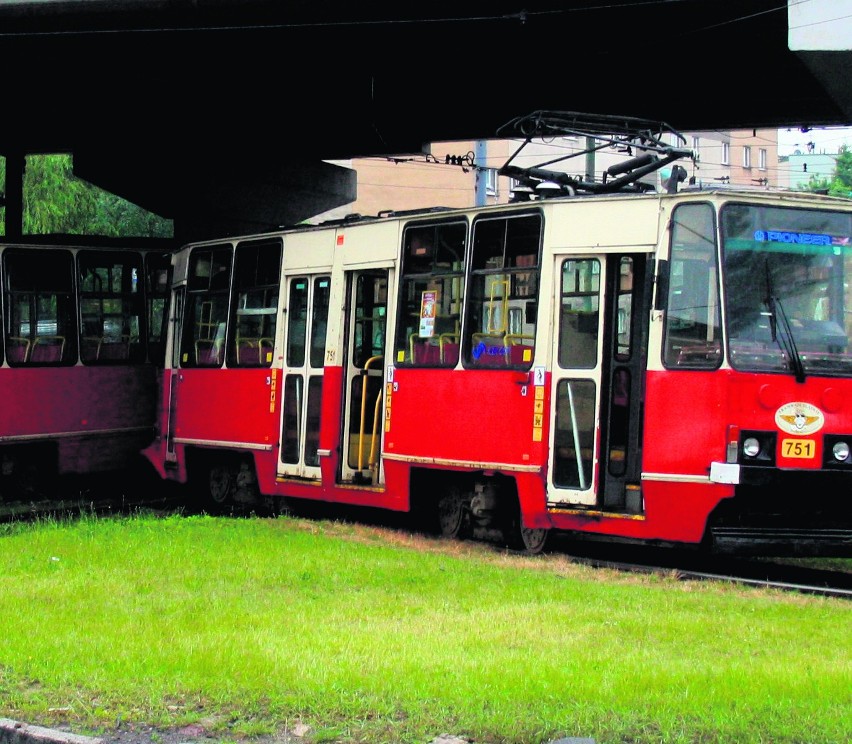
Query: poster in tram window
{"points": [[428, 303]]}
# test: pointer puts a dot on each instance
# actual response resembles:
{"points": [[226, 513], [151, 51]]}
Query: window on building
{"points": [[746, 157], [726, 153], [491, 181], [761, 158]]}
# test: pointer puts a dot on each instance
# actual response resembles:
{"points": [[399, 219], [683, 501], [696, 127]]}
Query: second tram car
{"points": [[671, 368], [82, 349]]}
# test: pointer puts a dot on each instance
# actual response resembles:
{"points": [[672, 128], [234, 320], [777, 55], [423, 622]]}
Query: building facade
{"points": [[465, 174]]}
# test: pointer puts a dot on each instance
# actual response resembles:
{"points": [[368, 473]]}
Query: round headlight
{"points": [[840, 451], [751, 447]]}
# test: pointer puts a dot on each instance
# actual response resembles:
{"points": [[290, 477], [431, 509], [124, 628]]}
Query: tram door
{"points": [[364, 396], [171, 374], [595, 396], [627, 298], [302, 375]]}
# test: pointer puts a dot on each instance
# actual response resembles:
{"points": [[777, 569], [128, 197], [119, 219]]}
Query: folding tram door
{"points": [[303, 375], [364, 396], [601, 316]]}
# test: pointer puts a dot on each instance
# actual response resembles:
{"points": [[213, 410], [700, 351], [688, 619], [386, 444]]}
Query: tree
{"points": [[842, 183], [56, 201]]}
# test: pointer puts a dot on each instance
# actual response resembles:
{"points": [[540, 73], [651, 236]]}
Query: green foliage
{"points": [[840, 184], [358, 634], [56, 201]]}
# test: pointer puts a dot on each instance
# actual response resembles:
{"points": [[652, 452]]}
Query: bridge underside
{"points": [[218, 114]]}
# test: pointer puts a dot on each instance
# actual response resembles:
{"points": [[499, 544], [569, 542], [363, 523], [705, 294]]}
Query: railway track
{"points": [[98, 497], [771, 573], [90, 495]]}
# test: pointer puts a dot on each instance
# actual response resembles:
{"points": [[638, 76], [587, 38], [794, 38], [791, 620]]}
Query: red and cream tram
{"points": [[671, 368]]}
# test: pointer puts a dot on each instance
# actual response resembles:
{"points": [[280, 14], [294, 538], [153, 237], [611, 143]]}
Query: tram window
{"points": [[574, 435], [431, 289], [291, 434], [41, 311], [502, 294], [693, 325], [111, 307], [312, 420], [579, 313], [297, 321], [371, 298], [206, 310], [157, 281], [257, 269], [624, 319], [618, 421], [319, 320]]}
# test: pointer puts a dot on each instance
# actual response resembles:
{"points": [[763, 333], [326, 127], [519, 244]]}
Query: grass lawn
{"points": [[251, 626]]}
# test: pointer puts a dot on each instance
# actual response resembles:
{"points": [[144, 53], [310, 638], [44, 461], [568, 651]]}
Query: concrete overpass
{"points": [[219, 113]]}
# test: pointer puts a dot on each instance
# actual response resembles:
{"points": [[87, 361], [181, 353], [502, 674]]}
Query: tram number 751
{"points": [[803, 449]]}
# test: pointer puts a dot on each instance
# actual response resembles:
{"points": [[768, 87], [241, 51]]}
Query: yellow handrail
{"points": [[364, 411]]}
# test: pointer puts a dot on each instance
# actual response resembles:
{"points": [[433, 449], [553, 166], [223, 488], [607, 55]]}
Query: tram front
{"points": [[787, 306]]}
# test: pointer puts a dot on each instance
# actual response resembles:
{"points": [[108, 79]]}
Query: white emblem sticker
{"points": [[800, 419]]}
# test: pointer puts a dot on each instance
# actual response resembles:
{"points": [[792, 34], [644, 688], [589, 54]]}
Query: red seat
{"points": [[47, 349], [18, 349], [520, 354], [425, 352]]}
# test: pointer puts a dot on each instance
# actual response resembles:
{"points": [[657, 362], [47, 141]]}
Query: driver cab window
{"points": [[693, 324]]}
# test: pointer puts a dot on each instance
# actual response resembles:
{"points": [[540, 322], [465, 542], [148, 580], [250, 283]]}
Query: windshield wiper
{"points": [[790, 343], [785, 339]]}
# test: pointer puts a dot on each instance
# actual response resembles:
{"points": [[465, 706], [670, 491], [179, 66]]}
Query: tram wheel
{"points": [[221, 482], [533, 540], [529, 540], [451, 513]]}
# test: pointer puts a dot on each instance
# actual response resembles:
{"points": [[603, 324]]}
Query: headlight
{"points": [[840, 451], [751, 447]]}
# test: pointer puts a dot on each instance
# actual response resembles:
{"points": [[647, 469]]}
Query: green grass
{"points": [[249, 626]]}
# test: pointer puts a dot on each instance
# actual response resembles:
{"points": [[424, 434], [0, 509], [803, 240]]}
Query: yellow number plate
{"points": [[802, 449]]}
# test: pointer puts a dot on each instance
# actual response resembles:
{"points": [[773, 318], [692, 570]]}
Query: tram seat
{"points": [[248, 351], [208, 352], [89, 348], [424, 351], [47, 349], [494, 356], [114, 350], [520, 352], [448, 343], [489, 350], [254, 352], [18, 349], [266, 346]]}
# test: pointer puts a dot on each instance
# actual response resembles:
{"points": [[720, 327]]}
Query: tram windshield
{"points": [[788, 303]]}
